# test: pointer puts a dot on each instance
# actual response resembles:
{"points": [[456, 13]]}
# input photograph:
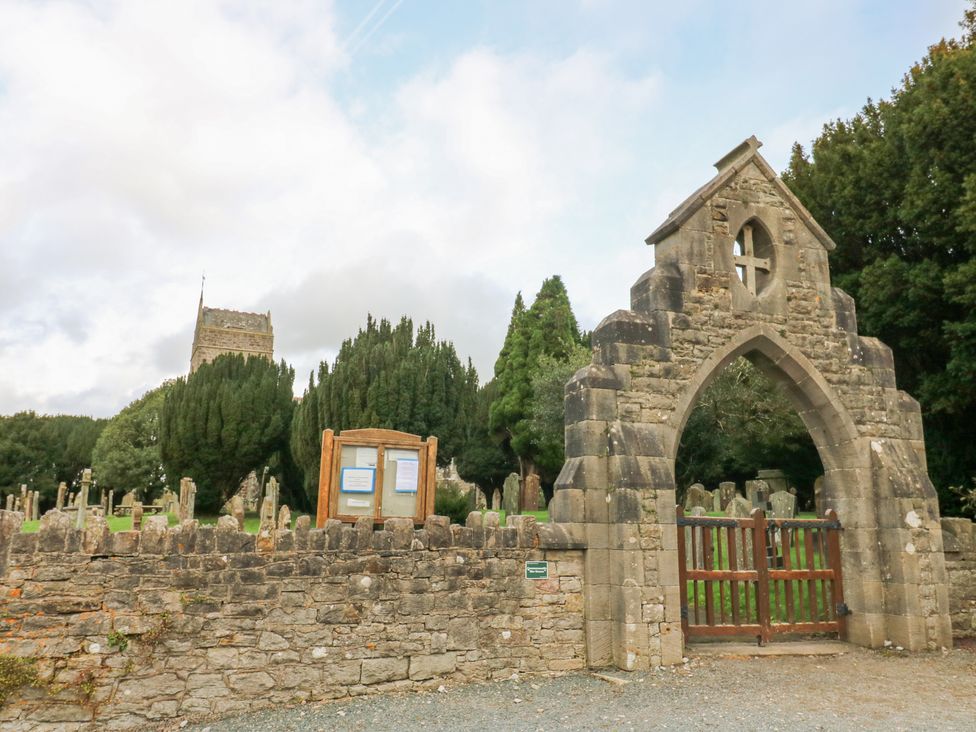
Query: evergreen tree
{"points": [[483, 460], [547, 328], [226, 419], [391, 378], [127, 456], [896, 188]]}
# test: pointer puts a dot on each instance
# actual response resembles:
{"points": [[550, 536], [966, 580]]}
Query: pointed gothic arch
{"points": [[689, 318]]}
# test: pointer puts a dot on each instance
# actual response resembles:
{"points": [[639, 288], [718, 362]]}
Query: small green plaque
{"points": [[537, 570]]}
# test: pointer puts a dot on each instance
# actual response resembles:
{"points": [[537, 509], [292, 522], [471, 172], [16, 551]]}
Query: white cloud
{"points": [[141, 144]]}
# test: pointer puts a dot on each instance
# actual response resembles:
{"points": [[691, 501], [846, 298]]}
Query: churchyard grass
{"points": [[124, 523]]}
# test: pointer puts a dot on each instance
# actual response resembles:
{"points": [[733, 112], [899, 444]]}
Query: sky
{"points": [[326, 160]]}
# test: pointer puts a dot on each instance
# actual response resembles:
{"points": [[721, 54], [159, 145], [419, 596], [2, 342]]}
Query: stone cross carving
{"points": [[748, 260]]}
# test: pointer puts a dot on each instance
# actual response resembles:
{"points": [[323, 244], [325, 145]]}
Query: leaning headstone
{"points": [[136, 515], [510, 494], [533, 493], [819, 499], [757, 493], [738, 507], [697, 496], [128, 500], [62, 488], [782, 505], [496, 500], [726, 490]]}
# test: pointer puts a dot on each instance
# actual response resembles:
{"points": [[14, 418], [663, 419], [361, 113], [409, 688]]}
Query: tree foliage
{"points": [[896, 188], [387, 377], [484, 460], [546, 330], [743, 422], [41, 450], [224, 420], [127, 455]]}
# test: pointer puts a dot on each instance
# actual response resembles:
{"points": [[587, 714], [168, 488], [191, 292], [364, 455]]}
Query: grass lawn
{"points": [[251, 523]]}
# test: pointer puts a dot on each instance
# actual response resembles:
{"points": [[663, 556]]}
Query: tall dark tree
{"points": [[224, 420], [896, 188], [547, 328], [484, 459], [391, 378], [41, 451]]}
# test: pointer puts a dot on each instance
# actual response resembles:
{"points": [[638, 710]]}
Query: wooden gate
{"points": [[758, 577]]}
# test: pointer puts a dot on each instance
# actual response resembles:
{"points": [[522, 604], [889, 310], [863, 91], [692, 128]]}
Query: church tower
{"points": [[229, 331]]}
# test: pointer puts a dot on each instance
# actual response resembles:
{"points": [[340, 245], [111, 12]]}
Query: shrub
{"points": [[449, 501]]}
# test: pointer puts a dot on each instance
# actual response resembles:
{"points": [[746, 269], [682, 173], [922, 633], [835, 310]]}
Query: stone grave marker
{"points": [[775, 479], [496, 500], [697, 496], [738, 507], [237, 510], [757, 493], [533, 493], [716, 500], [783, 505], [726, 491], [80, 515], [819, 499], [510, 494], [62, 489], [136, 515], [36, 506], [284, 518], [10, 502], [696, 511]]}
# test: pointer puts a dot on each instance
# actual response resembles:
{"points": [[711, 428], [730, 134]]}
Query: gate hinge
{"points": [[843, 610]]}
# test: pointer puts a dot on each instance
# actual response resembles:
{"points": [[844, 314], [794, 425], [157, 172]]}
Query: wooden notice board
{"points": [[377, 473]]}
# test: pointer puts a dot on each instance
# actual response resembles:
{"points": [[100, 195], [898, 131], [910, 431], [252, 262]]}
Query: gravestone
{"points": [[716, 500], [697, 496], [111, 502], [738, 507], [137, 516], [726, 490], [188, 490], [696, 511], [757, 493], [480, 499], [510, 494], [10, 502], [237, 510], [267, 515], [496, 500], [62, 488], [532, 498], [80, 516], [274, 493], [284, 518], [782, 505], [36, 506], [819, 502], [775, 479]]}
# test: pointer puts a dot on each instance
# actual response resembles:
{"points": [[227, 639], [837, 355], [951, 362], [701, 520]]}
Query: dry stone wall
{"points": [[133, 629], [959, 538]]}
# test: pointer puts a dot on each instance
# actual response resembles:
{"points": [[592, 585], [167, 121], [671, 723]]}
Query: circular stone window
{"points": [[752, 255]]}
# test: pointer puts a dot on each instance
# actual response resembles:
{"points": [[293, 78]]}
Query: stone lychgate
{"points": [[741, 270]]}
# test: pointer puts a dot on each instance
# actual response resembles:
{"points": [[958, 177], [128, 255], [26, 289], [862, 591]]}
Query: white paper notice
{"points": [[357, 503], [365, 457], [357, 480], [407, 472]]}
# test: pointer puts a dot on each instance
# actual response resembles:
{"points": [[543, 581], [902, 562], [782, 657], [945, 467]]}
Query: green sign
{"points": [[537, 570]]}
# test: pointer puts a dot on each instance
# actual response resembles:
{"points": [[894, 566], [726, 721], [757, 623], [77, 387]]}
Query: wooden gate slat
{"points": [[711, 556]]}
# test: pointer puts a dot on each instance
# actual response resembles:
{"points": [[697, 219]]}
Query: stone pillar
{"points": [[62, 488], [80, 516], [237, 510]]}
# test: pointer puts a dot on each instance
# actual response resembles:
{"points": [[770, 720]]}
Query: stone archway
{"points": [[690, 316]]}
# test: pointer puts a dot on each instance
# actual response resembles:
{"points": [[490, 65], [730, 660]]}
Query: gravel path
{"points": [[861, 690]]}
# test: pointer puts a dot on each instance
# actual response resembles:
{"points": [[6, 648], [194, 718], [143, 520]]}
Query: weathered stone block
{"points": [[379, 670], [428, 667]]}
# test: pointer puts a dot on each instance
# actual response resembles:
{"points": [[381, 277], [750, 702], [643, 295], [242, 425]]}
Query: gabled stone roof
{"points": [[728, 167]]}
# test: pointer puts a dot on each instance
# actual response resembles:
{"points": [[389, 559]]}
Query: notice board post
{"points": [[377, 473]]}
